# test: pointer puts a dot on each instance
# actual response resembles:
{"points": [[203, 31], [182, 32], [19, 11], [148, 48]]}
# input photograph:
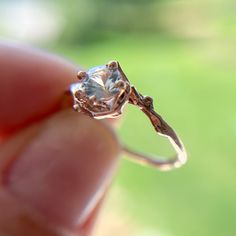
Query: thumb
{"points": [[57, 171]]}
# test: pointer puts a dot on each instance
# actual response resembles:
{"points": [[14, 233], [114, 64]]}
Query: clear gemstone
{"points": [[101, 83], [102, 93], [98, 92]]}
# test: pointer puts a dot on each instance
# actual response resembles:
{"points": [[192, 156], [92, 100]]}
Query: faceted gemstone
{"points": [[101, 83], [100, 89]]}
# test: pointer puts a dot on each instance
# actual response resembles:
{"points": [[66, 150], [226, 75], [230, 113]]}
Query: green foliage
{"points": [[93, 20]]}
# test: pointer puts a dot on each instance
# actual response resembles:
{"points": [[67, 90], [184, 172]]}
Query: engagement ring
{"points": [[103, 91]]}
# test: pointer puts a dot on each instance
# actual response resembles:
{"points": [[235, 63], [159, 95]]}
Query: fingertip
{"points": [[32, 82], [65, 170]]}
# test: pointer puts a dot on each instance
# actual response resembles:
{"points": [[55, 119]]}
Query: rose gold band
{"points": [[162, 128]]}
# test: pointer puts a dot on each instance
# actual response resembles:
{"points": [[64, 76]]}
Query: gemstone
{"points": [[101, 83], [100, 91]]}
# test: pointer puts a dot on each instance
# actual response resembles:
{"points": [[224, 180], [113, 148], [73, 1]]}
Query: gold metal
{"points": [[129, 94], [145, 104], [112, 65], [81, 75]]}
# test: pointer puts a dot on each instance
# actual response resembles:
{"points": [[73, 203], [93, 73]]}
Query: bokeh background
{"points": [[183, 54]]}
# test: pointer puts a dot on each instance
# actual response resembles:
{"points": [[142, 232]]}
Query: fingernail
{"points": [[65, 170]]}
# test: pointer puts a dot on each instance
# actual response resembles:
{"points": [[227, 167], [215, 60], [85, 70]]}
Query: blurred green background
{"points": [[183, 54]]}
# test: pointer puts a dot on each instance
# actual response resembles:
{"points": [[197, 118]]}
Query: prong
{"points": [[113, 65], [82, 75], [76, 107], [79, 95], [120, 84]]}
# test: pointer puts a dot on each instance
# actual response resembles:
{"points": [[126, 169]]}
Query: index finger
{"points": [[31, 84]]}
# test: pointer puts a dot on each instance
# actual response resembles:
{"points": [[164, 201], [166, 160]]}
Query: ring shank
{"points": [[162, 128]]}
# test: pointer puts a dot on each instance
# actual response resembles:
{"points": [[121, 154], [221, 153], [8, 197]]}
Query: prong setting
{"points": [[113, 65], [82, 75], [102, 91]]}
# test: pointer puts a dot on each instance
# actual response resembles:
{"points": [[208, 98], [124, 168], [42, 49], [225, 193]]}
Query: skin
{"points": [[51, 181]]}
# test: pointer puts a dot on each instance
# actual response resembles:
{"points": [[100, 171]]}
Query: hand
{"points": [[55, 166]]}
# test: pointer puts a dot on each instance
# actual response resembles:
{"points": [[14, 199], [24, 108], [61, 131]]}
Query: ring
{"points": [[103, 91]]}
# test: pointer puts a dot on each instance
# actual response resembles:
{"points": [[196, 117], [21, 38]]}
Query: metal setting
{"points": [[103, 91]]}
